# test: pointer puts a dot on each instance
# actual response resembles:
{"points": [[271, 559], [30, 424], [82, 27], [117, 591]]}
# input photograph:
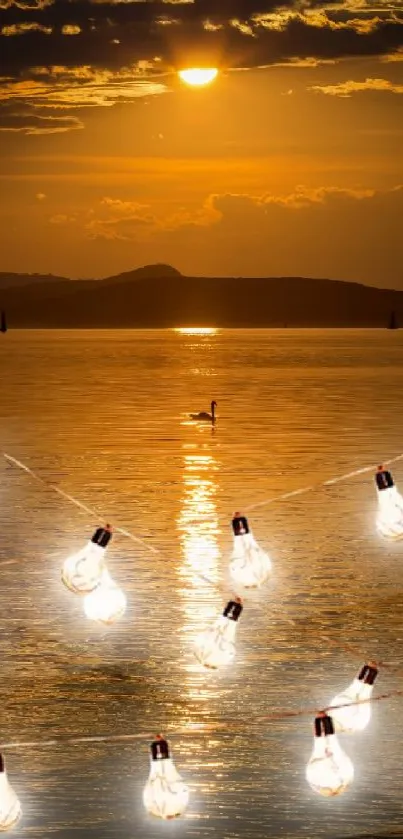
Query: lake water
{"points": [[104, 416]]}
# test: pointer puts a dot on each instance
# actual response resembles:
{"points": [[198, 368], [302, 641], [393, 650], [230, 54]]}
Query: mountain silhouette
{"points": [[148, 272], [158, 296], [8, 280]]}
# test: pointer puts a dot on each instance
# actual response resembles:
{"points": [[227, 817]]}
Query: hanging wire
{"points": [[303, 712], [392, 668], [329, 482], [194, 728], [14, 462]]}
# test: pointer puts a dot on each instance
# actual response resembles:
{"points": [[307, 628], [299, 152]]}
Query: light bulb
{"points": [[107, 602], [354, 717], [329, 771], [10, 807], [216, 646], [165, 794], [389, 520], [249, 565], [82, 572]]}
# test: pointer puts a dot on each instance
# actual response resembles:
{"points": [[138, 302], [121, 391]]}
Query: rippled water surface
{"points": [[104, 415]]}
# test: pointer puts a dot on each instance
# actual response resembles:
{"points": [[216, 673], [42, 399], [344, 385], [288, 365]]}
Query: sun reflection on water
{"points": [[196, 330], [198, 531], [198, 525]]}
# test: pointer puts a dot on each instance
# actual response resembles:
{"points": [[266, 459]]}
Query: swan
{"points": [[203, 415]]}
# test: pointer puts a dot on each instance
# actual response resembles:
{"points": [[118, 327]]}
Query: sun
{"points": [[198, 76]]}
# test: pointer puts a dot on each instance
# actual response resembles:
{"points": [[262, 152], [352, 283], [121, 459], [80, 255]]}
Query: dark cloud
{"points": [[23, 120], [134, 40], [233, 32]]}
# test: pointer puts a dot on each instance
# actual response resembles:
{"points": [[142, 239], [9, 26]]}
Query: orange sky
{"points": [[294, 167]]}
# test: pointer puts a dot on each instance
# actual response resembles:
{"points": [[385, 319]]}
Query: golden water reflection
{"points": [[199, 570], [196, 330]]}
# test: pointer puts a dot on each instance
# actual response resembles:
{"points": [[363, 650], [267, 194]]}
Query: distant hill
{"points": [[158, 296], [8, 280], [149, 272]]}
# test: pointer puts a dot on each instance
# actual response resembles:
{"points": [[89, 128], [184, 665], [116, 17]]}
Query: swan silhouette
{"points": [[204, 416]]}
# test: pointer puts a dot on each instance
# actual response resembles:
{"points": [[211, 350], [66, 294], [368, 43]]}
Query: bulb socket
{"points": [[240, 525], [159, 749], [233, 609], [368, 674], [323, 726]]}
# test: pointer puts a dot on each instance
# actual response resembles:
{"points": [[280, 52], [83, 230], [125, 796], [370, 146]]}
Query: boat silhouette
{"points": [[393, 324]]}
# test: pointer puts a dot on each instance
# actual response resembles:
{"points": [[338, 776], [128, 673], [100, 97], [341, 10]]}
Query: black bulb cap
{"points": [[368, 674], [323, 726]]}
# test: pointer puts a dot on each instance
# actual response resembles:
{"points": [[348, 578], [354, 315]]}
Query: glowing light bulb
{"points": [[216, 647], [249, 565], [107, 602], [329, 771], [354, 717], [82, 572], [165, 794], [10, 807], [389, 520]]}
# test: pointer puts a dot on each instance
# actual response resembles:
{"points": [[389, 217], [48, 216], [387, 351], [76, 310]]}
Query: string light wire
{"points": [[14, 462], [279, 714], [329, 482]]}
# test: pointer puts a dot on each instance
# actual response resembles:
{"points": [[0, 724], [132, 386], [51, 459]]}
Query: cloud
{"points": [[114, 219], [23, 28], [68, 29], [328, 232], [393, 57], [237, 33], [40, 196], [24, 121], [302, 198], [25, 4], [64, 88], [346, 89], [62, 55]]}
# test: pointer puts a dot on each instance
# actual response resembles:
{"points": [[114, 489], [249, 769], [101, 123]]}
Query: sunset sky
{"points": [[290, 162]]}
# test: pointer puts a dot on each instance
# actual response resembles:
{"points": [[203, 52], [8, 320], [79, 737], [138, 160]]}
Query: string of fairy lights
{"points": [[329, 771]]}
